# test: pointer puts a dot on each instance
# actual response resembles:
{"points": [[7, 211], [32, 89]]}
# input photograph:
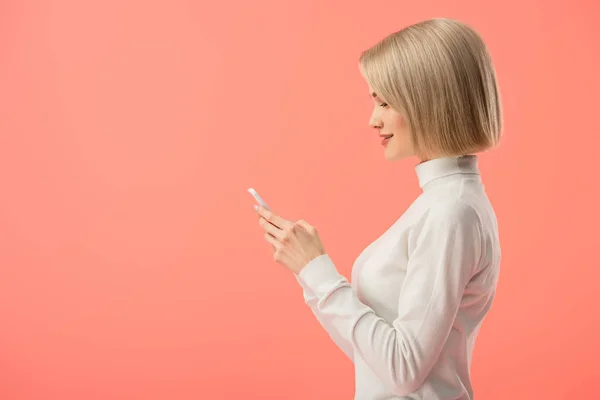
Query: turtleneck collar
{"points": [[440, 167]]}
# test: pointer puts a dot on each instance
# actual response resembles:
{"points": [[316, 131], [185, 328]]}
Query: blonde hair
{"points": [[439, 75]]}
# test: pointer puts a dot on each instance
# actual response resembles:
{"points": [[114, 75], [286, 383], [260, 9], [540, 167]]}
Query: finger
{"points": [[282, 258], [273, 218], [307, 227], [279, 255], [268, 234], [260, 216], [272, 240], [270, 229], [275, 244]]}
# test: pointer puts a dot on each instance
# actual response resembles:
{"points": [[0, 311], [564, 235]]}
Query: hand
{"points": [[295, 244]]}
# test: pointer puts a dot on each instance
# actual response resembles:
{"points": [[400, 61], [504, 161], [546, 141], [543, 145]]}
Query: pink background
{"points": [[131, 264]]}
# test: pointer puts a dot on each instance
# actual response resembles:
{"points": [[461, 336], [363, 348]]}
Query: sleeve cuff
{"points": [[320, 275]]}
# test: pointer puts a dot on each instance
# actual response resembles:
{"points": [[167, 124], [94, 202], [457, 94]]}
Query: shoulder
{"points": [[455, 219], [449, 227], [453, 211]]}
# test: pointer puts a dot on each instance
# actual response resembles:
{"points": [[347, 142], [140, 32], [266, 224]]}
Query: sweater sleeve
{"points": [[446, 249], [309, 298]]}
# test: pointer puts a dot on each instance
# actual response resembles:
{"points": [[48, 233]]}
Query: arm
{"points": [[445, 250], [310, 299]]}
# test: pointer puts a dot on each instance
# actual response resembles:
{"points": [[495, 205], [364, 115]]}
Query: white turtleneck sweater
{"points": [[419, 292]]}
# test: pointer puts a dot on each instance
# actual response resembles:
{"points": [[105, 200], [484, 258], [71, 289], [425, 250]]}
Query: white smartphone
{"points": [[258, 198]]}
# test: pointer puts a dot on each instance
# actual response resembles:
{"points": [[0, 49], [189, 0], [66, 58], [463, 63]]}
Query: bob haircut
{"points": [[439, 75]]}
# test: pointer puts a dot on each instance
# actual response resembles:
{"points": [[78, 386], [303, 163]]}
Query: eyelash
{"points": [[384, 105]]}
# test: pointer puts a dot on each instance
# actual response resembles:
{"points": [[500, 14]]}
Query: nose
{"points": [[375, 121]]}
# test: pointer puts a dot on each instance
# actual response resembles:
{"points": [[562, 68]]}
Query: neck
{"points": [[432, 169]]}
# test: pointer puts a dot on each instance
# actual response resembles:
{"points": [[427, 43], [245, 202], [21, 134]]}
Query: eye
{"points": [[384, 105]]}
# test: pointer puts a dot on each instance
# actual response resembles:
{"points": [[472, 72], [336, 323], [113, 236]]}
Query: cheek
{"points": [[395, 122], [399, 125]]}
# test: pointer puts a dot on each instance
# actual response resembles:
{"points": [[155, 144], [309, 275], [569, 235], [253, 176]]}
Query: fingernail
{"points": [[255, 207]]}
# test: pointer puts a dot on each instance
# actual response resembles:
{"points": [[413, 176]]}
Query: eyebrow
{"points": [[374, 94]]}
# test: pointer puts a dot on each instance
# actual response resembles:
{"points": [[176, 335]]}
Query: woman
{"points": [[420, 291]]}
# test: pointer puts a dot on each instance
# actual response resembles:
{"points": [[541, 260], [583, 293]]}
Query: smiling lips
{"points": [[386, 138]]}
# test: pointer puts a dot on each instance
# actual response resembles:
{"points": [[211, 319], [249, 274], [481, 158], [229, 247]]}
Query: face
{"points": [[392, 128]]}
